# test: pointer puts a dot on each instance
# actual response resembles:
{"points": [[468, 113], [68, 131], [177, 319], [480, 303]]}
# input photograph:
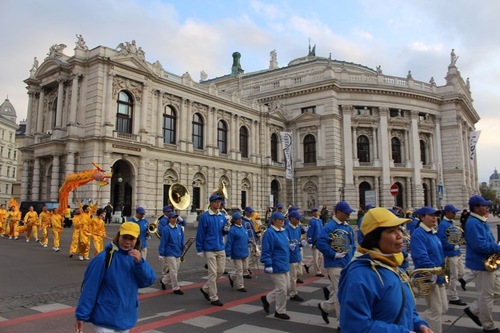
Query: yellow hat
{"points": [[380, 217], [130, 228]]}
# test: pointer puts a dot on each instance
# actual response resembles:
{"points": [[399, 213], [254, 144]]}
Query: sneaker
{"points": [[80, 258], [71, 255], [2, 235], [320, 275], [243, 290], [265, 303], [300, 281], [297, 298], [231, 282], [326, 293], [463, 283], [57, 249], [458, 302], [16, 238], [44, 245], [205, 294], [53, 249], [306, 268], [472, 316], [178, 292], [281, 315], [324, 314], [163, 286], [27, 241], [10, 237], [86, 258], [37, 240], [216, 303]]}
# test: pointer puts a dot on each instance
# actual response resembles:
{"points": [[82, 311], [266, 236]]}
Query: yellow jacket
{"points": [[44, 218], [31, 218], [56, 220], [3, 215]]}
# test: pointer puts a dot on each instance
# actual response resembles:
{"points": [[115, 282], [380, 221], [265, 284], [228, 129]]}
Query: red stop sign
{"points": [[394, 190]]}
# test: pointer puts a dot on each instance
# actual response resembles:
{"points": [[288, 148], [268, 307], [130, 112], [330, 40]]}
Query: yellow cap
{"points": [[130, 228], [380, 217]]}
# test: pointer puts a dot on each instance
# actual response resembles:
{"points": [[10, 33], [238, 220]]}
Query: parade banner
{"points": [[474, 136], [286, 139]]}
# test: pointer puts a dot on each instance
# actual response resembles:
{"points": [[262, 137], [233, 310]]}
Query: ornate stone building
{"points": [[8, 151], [354, 130]]}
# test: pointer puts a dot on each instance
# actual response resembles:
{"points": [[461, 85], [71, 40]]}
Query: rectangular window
{"points": [[309, 109]]}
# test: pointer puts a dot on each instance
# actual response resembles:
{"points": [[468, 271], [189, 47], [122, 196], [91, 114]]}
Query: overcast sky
{"points": [[194, 35]]}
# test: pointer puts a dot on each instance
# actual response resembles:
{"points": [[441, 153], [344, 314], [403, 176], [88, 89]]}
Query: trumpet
{"points": [[340, 241], [421, 280]]}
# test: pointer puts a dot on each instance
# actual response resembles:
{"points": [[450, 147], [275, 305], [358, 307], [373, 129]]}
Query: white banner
{"points": [[474, 136], [286, 139]]}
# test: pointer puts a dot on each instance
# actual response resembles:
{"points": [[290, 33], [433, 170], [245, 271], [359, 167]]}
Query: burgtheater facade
{"points": [[354, 131]]}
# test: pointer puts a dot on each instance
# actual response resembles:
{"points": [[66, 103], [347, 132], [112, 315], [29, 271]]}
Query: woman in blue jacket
{"points": [[109, 297], [374, 293], [237, 249]]}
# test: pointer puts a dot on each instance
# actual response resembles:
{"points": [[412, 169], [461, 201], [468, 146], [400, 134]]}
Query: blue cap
{"points": [[477, 200], [279, 205], [395, 212], [344, 207], [167, 209], [451, 208], [248, 209], [140, 210], [172, 214], [426, 210], [237, 216], [314, 210], [277, 215], [292, 208], [295, 214], [369, 206], [214, 197]]}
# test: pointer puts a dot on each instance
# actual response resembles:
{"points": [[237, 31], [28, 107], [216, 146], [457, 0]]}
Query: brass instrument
{"points": [[455, 235], [187, 245], [421, 280], [254, 247], [340, 241], [406, 238], [492, 263], [153, 228], [179, 196]]}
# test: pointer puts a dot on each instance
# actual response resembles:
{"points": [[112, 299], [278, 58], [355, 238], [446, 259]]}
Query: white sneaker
{"points": [[44, 245], [27, 241], [10, 237], [56, 249], [80, 258], [86, 258], [15, 238]]}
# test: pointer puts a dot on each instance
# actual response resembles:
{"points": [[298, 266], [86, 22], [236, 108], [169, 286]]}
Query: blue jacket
{"points": [[294, 234], [426, 250], [143, 226], [411, 226], [323, 244], [314, 230], [109, 296], [237, 242], [162, 223], [171, 241], [360, 234], [210, 232], [276, 250], [480, 243], [370, 296], [448, 248]]}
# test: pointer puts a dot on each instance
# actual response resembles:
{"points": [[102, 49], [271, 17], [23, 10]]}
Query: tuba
{"points": [[340, 241], [492, 263], [179, 196], [421, 280]]}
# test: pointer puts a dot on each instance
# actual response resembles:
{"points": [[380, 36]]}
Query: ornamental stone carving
{"points": [[135, 88]]}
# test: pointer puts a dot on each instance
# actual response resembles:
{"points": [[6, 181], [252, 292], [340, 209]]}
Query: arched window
{"points": [[363, 187], [363, 145], [396, 150], [244, 141], [309, 149], [197, 131], [423, 152], [124, 113], [169, 125], [274, 147], [222, 137]]}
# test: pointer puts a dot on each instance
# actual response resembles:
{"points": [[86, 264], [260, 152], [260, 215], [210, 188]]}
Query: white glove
{"points": [[456, 248], [268, 270], [303, 243], [160, 258], [340, 255], [408, 257], [292, 246], [226, 228], [306, 228], [200, 254], [180, 219], [228, 259], [434, 278]]}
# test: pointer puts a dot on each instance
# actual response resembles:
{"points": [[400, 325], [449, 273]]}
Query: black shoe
{"points": [[178, 292], [281, 315], [472, 316], [71, 255], [225, 273], [231, 282], [163, 286], [326, 293], [206, 295], [265, 303], [206, 266], [306, 268], [217, 303], [324, 314], [300, 281], [495, 330], [463, 283], [458, 302], [297, 298], [320, 275], [243, 290], [247, 277], [249, 271]]}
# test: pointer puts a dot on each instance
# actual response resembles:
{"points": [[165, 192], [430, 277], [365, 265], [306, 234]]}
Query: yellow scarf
{"points": [[392, 260]]}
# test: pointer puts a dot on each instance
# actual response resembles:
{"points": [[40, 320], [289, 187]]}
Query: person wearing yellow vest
{"points": [[3, 220], [31, 219], [13, 216], [98, 230], [56, 221], [44, 221]]}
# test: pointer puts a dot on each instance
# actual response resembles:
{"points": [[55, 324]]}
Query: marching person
{"points": [[427, 252], [75, 238], [452, 254], [56, 220], [236, 248], [374, 293], [335, 261], [13, 218], [170, 250], [276, 259], [109, 297], [31, 221], [313, 232], [143, 225], [294, 234], [85, 222], [98, 230], [44, 223], [67, 217], [3, 220], [480, 244], [210, 244]]}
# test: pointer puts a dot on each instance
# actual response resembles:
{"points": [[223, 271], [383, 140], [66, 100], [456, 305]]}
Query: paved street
{"points": [[40, 289]]}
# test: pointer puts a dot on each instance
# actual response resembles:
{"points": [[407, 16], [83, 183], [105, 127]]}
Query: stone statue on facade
{"points": [[432, 82], [409, 76], [130, 48], [35, 63], [203, 76], [273, 63], [80, 43], [56, 50], [379, 69], [453, 57]]}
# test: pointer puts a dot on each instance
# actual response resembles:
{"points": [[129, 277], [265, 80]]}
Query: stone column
{"points": [[25, 181], [39, 113], [159, 119], [105, 190], [70, 168], [31, 95], [109, 112], [415, 143], [54, 183], [36, 180], [60, 99], [144, 108], [74, 100], [234, 133], [375, 144], [140, 185], [354, 143], [349, 191], [387, 199]]}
